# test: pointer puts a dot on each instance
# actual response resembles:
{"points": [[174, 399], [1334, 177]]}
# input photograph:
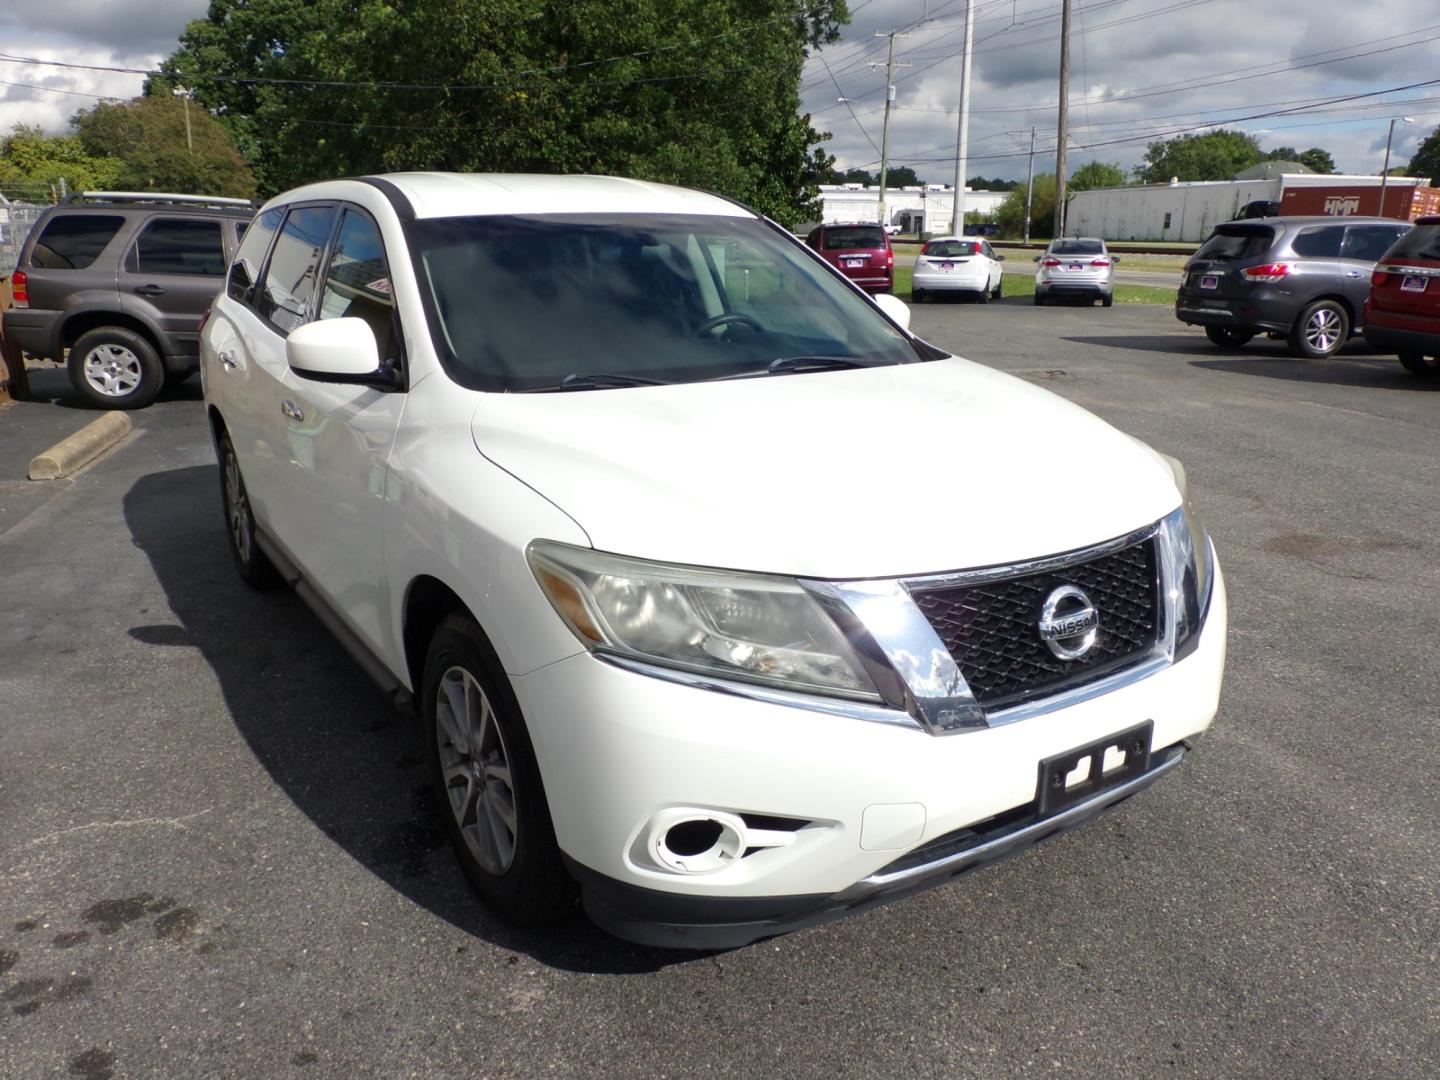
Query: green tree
{"points": [[165, 144], [1426, 161], [1096, 174], [980, 183], [1010, 214], [698, 92], [1314, 158], [32, 163], [901, 176], [853, 176], [1216, 155]]}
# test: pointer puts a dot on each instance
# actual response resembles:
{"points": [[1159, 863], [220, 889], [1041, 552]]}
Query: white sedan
{"points": [[958, 264]]}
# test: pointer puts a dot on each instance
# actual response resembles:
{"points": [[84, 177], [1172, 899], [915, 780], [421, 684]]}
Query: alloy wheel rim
{"points": [[112, 370], [475, 770], [238, 509], [1322, 332]]}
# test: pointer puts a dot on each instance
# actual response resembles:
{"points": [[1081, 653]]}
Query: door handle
{"points": [[1352, 273], [228, 359], [293, 411], [149, 290]]}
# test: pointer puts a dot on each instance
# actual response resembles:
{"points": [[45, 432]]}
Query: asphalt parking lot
{"points": [[219, 857]]}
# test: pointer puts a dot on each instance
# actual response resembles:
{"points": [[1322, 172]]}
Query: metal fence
{"points": [[16, 219]]}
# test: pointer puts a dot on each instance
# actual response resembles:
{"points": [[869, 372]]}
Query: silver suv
{"points": [[116, 284]]}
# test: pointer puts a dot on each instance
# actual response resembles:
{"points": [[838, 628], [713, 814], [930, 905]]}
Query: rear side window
{"points": [[180, 246], [1322, 243], [246, 269], [1421, 242], [861, 236], [294, 267], [357, 285], [74, 241], [1368, 242], [1236, 244]]}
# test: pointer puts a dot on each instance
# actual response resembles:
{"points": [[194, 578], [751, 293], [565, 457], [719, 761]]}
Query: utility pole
{"points": [[885, 126], [1063, 136], [189, 138], [962, 135], [1385, 169], [1030, 185]]}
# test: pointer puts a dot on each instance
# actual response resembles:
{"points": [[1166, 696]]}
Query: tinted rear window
{"points": [[1421, 242], [1232, 244], [74, 241], [949, 249], [1321, 243], [861, 236], [180, 246], [1077, 247]]}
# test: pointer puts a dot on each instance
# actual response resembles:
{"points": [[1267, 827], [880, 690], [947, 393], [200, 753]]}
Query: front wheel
{"points": [[487, 781], [115, 368], [1427, 367], [1320, 330], [1228, 337]]}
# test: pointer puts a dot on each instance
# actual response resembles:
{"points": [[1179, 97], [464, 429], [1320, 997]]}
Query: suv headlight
{"points": [[751, 627], [1194, 564]]}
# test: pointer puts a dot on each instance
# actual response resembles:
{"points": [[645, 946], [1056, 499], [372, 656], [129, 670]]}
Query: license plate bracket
{"points": [[856, 262], [1076, 775], [1414, 283], [1210, 281], [947, 266]]}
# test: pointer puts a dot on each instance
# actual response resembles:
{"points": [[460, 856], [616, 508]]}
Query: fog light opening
{"points": [[693, 837]]}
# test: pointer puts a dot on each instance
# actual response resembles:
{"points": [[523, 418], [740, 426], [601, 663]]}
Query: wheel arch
{"points": [[428, 600], [1337, 298], [82, 322]]}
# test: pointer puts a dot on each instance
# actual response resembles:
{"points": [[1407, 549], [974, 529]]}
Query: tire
{"points": [[1108, 300], [1418, 364], [254, 568], [1320, 330], [1039, 300], [917, 296], [1227, 337], [487, 783], [999, 292], [983, 296], [115, 368]]}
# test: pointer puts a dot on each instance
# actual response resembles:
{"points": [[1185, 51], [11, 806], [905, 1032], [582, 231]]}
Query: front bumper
{"points": [[616, 748]]}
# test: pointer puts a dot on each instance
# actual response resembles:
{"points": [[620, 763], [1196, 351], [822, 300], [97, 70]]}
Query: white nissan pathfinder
{"points": [[728, 606]]}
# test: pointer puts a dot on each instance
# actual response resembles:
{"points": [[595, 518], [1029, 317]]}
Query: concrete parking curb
{"points": [[81, 448]]}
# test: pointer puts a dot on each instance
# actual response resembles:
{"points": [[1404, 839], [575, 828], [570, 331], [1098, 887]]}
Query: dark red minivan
{"points": [[861, 252], [1403, 313]]}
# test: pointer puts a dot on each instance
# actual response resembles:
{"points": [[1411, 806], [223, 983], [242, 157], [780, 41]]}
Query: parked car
{"points": [[116, 283], [1259, 208], [1302, 278], [1402, 313], [953, 264], [1078, 267], [606, 479], [861, 252]]}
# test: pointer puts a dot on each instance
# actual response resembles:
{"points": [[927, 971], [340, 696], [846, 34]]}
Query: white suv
{"points": [[720, 595]]}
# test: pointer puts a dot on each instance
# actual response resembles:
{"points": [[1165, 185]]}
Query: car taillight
{"points": [[1099, 262], [890, 258], [1378, 277], [1050, 262], [204, 319], [1268, 272], [19, 289], [925, 250]]}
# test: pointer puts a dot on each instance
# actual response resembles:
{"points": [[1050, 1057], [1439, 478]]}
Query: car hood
{"points": [[874, 472]]}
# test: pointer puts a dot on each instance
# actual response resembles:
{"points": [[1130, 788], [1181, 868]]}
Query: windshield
{"points": [[850, 238], [1230, 243], [1077, 247], [520, 303]]}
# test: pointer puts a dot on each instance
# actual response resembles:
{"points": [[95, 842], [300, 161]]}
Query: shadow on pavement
{"points": [[51, 386], [1374, 372], [349, 761]]}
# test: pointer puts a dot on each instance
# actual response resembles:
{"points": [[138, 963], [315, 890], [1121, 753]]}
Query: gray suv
{"points": [[121, 281], [1305, 279]]}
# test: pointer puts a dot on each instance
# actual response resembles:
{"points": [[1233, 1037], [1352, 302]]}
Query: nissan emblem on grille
{"points": [[1069, 623]]}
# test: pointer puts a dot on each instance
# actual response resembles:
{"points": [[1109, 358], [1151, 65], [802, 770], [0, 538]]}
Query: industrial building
{"points": [[928, 208], [1186, 212]]}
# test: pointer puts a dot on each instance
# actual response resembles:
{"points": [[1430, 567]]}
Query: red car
{"points": [[1402, 314], [861, 252]]}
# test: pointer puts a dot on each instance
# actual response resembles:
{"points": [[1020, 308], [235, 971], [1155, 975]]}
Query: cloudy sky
{"points": [[1140, 69]]}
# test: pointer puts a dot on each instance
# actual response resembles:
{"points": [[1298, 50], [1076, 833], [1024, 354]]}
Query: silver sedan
{"points": [[1076, 266]]}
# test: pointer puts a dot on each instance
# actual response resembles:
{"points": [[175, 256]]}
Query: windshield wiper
{"points": [[812, 363], [577, 381]]}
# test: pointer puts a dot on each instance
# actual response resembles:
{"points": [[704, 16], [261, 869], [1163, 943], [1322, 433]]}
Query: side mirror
{"points": [[897, 309], [999, 258], [338, 351], [1114, 258], [1035, 259]]}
